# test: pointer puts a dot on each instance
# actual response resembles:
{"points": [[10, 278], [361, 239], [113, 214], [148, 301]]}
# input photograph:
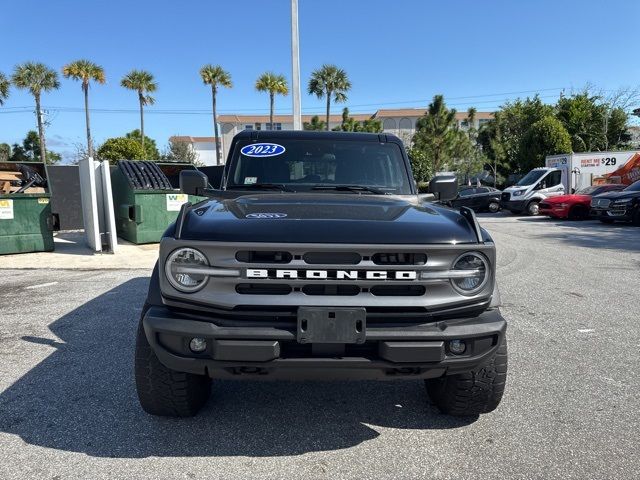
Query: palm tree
{"points": [[214, 75], [85, 71], [329, 81], [471, 117], [274, 84], [4, 88], [36, 77], [143, 83]]}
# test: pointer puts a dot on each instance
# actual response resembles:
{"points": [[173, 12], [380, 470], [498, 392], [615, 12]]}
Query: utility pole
{"points": [[295, 65]]}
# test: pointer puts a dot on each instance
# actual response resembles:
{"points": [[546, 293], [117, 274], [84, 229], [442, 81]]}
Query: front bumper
{"points": [[513, 205], [270, 352], [551, 210], [624, 214]]}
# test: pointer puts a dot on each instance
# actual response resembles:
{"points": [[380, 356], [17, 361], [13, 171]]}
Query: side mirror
{"points": [[445, 187], [193, 182]]}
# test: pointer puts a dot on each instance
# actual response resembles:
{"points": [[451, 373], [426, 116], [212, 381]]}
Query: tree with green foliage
{"points": [[29, 150], [142, 83], [36, 77], [330, 82], [121, 148], [421, 165], [179, 151], [215, 76], [617, 136], [492, 151], [584, 118], [5, 152], [513, 121], [150, 149], [437, 134], [314, 124], [85, 71], [545, 137], [4, 88], [350, 124], [274, 85]]}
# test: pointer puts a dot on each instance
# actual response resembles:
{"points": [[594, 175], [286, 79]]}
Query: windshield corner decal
{"points": [[266, 215], [262, 150]]}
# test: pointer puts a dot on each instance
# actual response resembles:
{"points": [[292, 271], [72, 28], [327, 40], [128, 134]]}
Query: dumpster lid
{"points": [[143, 175]]}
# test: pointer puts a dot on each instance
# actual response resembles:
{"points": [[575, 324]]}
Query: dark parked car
{"points": [[621, 206], [480, 199]]}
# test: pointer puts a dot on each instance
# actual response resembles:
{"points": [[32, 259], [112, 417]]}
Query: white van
{"points": [[535, 186]]}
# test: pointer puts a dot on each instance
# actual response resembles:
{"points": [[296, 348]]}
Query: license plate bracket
{"points": [[331, 325]]}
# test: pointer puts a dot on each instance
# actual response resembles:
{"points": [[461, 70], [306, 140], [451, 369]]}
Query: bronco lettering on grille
{"points": [[332, 274]]}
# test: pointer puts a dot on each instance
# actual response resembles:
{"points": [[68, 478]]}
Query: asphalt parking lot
{"points": [[570, 290]]}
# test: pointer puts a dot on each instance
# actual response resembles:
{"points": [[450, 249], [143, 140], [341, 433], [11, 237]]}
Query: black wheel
{"points": [[606, 220], [578, 213], [163, 391], [471, 393], [533, 208], [636, 217], [494, 207]]}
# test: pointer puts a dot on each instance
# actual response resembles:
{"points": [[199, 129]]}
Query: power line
{"points": [[196, 111]]}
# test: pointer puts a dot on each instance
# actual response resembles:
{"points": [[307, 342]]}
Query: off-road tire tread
{"points": [[471, 393], [163, 391]]}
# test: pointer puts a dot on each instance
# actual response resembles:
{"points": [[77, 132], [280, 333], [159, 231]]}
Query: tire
{"points": [[471, 393], [636, 217], [578, 213], [533, 208], [163, 391], [494, 207], [606, 220]]}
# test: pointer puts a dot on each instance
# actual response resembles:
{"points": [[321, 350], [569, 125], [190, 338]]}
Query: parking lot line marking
{"points": [[42, 285], [586, 330]]}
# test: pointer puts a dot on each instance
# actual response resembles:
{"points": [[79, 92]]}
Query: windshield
{"points": [[634, 187], [589, 190], [530, 178], [304, 165]]}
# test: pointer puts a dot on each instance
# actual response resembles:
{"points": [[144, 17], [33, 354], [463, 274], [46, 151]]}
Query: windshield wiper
{"points": [[260, 186], [350, 188]]}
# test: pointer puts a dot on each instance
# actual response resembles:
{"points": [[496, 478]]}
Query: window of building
{"points": [[276, 126], [258, 126], [248, 127]]}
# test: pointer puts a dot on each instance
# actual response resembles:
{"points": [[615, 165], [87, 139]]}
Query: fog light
{"points": [[457, 347], [198, 345]]}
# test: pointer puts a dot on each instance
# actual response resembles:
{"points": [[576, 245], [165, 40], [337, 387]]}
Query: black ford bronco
{"points": [[315, 258]]}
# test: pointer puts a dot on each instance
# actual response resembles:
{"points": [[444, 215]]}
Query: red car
{"points": [[577, 205]]}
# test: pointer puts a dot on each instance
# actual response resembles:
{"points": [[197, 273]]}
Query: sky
{"points": [[397, 54]]}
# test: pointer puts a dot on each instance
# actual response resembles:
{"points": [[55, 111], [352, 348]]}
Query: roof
{"points": [[190, 139], [248, 119], [335, 118], [419, 112]]}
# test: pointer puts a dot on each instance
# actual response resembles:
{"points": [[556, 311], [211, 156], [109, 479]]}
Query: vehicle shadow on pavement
{"points": [[82, 398], [588, 233]]}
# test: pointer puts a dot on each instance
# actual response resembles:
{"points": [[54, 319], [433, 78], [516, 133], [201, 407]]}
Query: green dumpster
{"points": [[146, 198], [26, 223]]}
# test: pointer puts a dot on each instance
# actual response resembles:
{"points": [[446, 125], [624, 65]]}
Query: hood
{"points": [[618, 195], [326, 218], [567, 198]]}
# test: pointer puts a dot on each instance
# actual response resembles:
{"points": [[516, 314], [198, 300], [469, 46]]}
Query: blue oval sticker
{"points": [[262, 150]]}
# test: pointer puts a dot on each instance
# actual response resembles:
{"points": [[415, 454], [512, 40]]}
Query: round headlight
{"points": [[474, 273], [181, 269]]}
